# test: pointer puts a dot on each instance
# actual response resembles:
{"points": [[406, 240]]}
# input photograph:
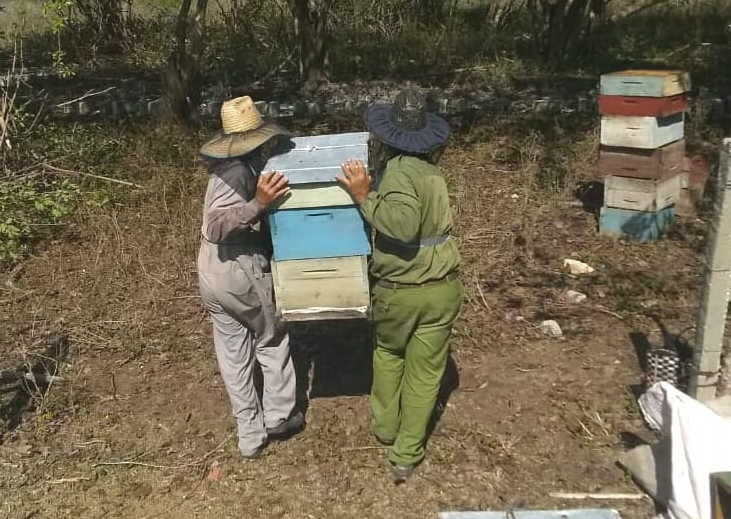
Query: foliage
{"points": [[26, 207], [58, 13]]}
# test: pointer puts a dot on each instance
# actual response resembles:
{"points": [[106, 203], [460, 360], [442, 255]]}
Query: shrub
{"points": [[26, 206]]}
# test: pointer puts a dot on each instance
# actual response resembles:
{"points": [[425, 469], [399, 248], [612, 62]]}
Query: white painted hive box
{"points": [[641, 132], [312, 164], [325, 288], [641, 194]]}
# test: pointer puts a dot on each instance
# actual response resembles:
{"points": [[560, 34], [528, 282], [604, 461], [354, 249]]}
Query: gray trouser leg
{"points": [[247, 332], [279, 380], [235, 353]]}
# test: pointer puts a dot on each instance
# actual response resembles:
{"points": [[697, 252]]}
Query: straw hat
{"points": [[407, 124], [243, 130]]}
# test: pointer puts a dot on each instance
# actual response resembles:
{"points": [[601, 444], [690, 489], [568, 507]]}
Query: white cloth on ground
{"points": [[699, 446]]}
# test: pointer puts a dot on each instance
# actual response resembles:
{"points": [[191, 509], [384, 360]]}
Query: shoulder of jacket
{"points": [[415, 166]]}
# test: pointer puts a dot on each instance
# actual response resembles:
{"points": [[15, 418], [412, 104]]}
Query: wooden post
{"points": [[714, 302]]}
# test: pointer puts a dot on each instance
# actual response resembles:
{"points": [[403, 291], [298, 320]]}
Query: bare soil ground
{"points": [[140, 425]]}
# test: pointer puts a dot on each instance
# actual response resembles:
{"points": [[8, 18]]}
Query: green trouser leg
{"points": [[388, 370], [412, 329]]}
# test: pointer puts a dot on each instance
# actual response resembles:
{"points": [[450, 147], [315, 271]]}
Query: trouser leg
{"points": [[279, 394], [388, 369], [419, 322], [425, 362], [234, 346], [388, 364], [273, 355]]}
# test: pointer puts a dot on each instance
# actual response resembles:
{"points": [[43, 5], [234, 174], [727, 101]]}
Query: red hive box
{"points": [[642, 106]]}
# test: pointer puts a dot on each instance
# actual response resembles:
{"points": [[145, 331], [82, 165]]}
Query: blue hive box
{"points": [[318, 233], [643, 226]]}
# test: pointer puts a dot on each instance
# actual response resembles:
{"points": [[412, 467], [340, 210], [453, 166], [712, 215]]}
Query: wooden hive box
{"points": [[642, 226], [641, 132], [645, 83], [319, 232], [697, 171], [687, 204], [641, 194], [323, 288], [319, 236], [693, 180], [312, 164], [642, 106], [656, 164]]}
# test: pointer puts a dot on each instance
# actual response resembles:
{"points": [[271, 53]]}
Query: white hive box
{"points": [[317, 289], [641, 132], [640, 194]]}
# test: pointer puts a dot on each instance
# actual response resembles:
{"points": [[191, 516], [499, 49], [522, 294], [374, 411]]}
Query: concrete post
{"points": [[715, 297]]}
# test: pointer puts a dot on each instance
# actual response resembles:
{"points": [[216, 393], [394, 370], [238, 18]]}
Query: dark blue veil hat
{"points": [[407, 124]]}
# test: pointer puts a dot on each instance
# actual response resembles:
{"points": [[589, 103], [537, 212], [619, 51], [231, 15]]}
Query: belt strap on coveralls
{"points": [[432, 241], [452, 276]]}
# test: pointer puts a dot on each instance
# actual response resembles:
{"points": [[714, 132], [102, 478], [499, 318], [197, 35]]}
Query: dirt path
{"points": [[140, 426]]}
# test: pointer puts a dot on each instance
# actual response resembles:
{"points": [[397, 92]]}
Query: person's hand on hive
{"points": [[270, 187], [355, 180]]}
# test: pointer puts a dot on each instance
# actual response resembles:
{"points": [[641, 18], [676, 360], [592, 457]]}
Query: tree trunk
{"points": [[182, 79], [106, 17], [311, 27], [564, 25]]}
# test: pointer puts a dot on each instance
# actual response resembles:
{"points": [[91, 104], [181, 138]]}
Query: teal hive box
{"points": [[642, 226], [645, 83]]}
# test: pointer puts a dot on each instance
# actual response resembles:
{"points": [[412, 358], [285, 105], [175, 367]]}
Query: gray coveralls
{"points": [[236, 287]]}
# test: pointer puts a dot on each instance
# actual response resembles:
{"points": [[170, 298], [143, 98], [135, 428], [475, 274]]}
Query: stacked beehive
{"points": [[321, 242], [642, 151], [692, 186]]}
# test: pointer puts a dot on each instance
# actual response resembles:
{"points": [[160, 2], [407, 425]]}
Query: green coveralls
{"points": [[416, 299]]}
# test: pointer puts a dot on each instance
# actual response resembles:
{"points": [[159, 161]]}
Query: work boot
{"points": [[255, 454], [401, 473], [384, 441], [288, 428]]}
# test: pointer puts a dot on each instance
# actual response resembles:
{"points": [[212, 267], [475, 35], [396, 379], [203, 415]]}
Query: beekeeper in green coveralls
{"points": [[417, 294]]}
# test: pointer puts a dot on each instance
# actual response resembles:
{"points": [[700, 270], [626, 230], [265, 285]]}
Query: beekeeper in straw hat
{"points": [[235, 280]]}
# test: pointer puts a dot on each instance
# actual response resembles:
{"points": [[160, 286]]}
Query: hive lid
{"points": [[318, 158]]}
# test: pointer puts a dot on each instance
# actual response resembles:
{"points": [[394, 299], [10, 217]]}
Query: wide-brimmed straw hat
{"points": [[242, 130], [407, 124]]}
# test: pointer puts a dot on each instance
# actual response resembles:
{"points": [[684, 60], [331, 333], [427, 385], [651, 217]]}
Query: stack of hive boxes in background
{"points": [[695, 174], [320, 240], [642, 151]]}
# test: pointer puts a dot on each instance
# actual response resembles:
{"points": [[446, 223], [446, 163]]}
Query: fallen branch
{"points": [[367, 448], [482, 295], [605, 311], [148, 465], [200, 461], [68, 480], [582, 495], [18, 298], [90, 93], [100, 177]]}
